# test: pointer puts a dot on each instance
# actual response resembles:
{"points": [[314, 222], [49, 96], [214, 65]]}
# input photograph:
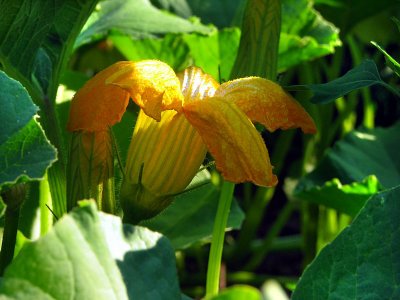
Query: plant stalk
{"points": [[217, 243]]}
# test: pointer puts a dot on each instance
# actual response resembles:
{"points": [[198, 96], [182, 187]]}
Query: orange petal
{"points": [[152, 84], [266, 102], [239, 151], [196, 84], [96, 106]]}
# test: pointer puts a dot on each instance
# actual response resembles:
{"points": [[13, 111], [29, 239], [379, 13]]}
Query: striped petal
{"points": [[96, 106], [238, 149], [152, 84], [266, 102]]}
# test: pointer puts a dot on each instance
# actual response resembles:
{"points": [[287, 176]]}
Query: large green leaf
{"points": [[305, 35], [145, 259], [191, 216], [24, 150], [36, 37], [214, 53], [361, 153], [71, 261], [90, 255], [363, 261], [171, 49], [137, 18]]}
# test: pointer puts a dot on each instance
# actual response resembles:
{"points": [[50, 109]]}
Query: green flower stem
{"points": [[217, 243]]}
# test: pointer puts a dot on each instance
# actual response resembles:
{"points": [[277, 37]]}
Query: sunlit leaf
{"points": [[136, 18], [362, 262], [171, 49], [348, 198], [144, 258], [90, 255], [361, 153], [26, 153], [305, 35]]}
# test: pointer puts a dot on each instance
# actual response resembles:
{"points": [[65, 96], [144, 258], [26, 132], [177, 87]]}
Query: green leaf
{"points": [[71, 261], [136, 18], [145, 258], [359, 154], [363, 261], [215, 53], [348, 198], [191, 216], [364, 75], [305, 35], [171, 49], [238, 292], [35, 39], [26, 153], [91, 255]]}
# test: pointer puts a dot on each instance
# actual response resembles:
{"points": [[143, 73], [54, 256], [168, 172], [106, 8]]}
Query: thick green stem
{"points": [[9, 237], [56, 173], [13, 198], [217, 243]]}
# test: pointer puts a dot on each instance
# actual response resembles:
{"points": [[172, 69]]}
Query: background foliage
{"points": [[329, 229]]}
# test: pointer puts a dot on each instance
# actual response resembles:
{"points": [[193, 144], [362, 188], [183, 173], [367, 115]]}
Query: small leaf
{"points": [[364, 75], [390, 61], [191, 216], [362, 262], [348, 198], [26, 153]]}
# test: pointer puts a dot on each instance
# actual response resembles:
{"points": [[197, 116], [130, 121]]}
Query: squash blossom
{"points": [[181, 118]]}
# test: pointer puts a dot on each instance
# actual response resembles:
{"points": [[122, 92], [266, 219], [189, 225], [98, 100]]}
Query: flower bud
{"points": [[91, 169]]}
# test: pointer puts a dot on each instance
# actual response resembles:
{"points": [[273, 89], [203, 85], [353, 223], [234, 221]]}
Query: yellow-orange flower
{"points": [[182, 116]]}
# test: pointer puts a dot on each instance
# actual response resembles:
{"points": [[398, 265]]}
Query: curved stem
{"points": [[217, 243]]}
